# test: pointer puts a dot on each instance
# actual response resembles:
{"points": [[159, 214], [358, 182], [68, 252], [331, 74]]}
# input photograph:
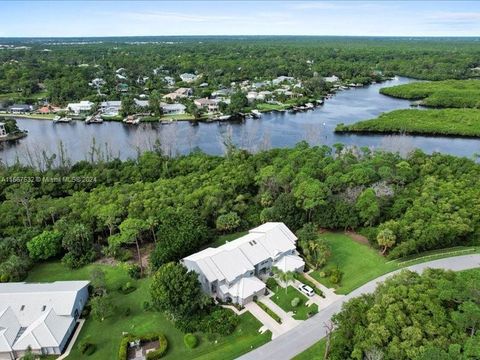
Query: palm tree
{"points": [[313, 247], [285, 277]]}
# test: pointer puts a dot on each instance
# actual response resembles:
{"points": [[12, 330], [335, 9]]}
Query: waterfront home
{"points": [[110, 108], [173, 109], [188, 78], [48, 109], [20, 108], [39, 316], [80, 107], [222, 93], [179, 93], [332, 79], [252, 95], [232, 271], [3, 131], [211, 105]]}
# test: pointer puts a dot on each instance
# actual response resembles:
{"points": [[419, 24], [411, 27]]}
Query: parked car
{"points": [[307, 290]]}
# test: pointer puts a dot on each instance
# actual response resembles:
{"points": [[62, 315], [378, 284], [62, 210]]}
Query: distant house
{"points": [[170, 81], [231, 272], [120, 70], [97, 82], [141, 103], [222, 93], [20, 108], [122, 87], [252, 95], [188, 78], [282, 79], [48, 109], [210, 105], [120, 77], [110, 108], [3, 131], [203, 85], [332, 79], [39, 316], [173, 109], [179, 93], [81, 107]]}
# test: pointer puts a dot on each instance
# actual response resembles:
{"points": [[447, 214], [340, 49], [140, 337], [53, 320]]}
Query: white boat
{"points": [[94, 119], [309, 106], [256, 113], [132, 120], [224, 117], [60, 119]]}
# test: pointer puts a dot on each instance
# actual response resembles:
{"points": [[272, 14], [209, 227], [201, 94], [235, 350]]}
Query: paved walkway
{"points": [[300, 338], [288, 322], [265, 319], [72, 340]]}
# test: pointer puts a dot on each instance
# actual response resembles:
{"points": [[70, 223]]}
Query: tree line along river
{"points": [[276, 129]]}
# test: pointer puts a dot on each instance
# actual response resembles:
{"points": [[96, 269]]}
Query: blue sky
{"points": [[124, 18]]}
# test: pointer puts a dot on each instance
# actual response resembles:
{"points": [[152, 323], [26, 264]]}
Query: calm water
{"points": [[272, 130]]}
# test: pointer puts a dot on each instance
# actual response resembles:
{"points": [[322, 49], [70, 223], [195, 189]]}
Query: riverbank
{"points": [[446, 122], [439, 94], [13, 137]]}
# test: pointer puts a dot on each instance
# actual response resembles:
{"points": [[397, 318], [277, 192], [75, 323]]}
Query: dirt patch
{"points": [[357, 237], [107, 261]]}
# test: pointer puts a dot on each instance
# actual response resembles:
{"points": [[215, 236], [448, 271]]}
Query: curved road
{"points": [[306, 334]]}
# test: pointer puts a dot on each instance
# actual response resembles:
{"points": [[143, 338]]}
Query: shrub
{"points": [[295, 302], [127, 312], [336, 276], [86, 347], [272, 283], [127, 288], [220, 321], [133, 271], [190, 340], [147, 306]]}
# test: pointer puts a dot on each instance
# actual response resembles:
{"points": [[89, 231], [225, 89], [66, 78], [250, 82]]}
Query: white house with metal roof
{"points": [[39, 316], [231, 272]]}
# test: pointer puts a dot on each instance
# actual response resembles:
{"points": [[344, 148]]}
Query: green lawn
{"points": [[271, 107], [284, 299], [107, 334], [314, 352], [359, 263]]}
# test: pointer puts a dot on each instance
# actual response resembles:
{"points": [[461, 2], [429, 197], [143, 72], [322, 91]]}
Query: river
{"points": [[272, 130]]}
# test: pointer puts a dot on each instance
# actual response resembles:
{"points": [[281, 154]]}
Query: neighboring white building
{"points": [[111, 108], [282, 79], [82, 106], [3, 131], [41, 316], [188, 78], [141, 103], [173, 109], [230, 271]]}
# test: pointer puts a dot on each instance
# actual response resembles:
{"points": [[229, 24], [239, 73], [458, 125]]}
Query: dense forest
{"points": [[435, 315], [60, 69], [114, 208]]}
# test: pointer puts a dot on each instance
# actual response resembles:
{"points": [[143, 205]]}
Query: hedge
{"points": [[152, 355], [269, 312]]}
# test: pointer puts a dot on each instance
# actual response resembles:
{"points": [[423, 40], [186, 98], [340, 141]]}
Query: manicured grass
{"points": [[29, 116], [284, 299], [445, 94], [271, 107], [359, 263], [314, 352], [107, 334], [449, 122]]}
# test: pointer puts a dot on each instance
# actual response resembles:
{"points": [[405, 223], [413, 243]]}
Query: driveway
{"points": [[288, 322], [322, 302], [265, 319], [307, 333]]}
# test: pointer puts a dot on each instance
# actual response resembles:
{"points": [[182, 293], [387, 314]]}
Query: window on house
{"points": [[44, 307], [22, 307]]}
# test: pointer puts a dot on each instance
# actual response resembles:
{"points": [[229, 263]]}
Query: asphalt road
{"points": [[295, 341]]}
